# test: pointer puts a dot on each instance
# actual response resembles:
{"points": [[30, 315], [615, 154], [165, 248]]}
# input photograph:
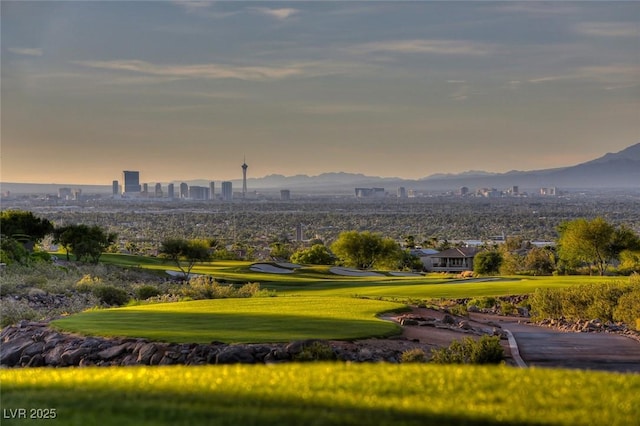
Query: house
{"points": [[457, 259]]}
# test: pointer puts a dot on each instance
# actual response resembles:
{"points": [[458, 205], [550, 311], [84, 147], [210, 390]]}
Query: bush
{"points": [[487, 350], [582, 302], [483, 302], [110, 295], [508, 308], [147, 291], [316, 351], [413, 355], [628, 309]]}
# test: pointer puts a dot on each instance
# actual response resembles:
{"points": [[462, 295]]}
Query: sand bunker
{"points": [[269, 269], [405, 274], [353, 272]]}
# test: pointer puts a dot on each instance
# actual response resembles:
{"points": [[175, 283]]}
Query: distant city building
{"points": [[300, 232], [184, 190], [369, 192], [131, 182], [170, 191], [227, 191], [464, 191], [285, 194], [244, 178], [158, 191], [65, 193], [145, 188], [115, 188], [515, 190], [552, 192], [402, 192], [199, 193], [412, 193], [212, 190]]}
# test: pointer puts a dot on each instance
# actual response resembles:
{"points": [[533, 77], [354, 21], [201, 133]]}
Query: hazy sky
{"points": [[183, 90]]}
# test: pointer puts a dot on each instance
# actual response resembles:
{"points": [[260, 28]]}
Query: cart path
{"points": [[547, 347]]}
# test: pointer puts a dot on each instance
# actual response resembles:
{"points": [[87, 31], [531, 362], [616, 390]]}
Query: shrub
{"points": [[487, 350], [147, 291], [628, 309], [413, 355], [508, 308], [87, 283], [483, 302], [316, 351], [110, 295], [581, 302]]}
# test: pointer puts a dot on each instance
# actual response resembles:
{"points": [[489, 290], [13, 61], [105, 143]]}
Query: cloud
{"points": [[338, 109], [442, 47], [199, 71], [26, 51], [280, 14], [614, 73], [202, 8], [608, 29]]}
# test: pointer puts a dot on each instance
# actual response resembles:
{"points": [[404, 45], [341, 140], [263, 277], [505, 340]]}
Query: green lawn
{"points": [[323, 394], [318, 281], [254, 320]]}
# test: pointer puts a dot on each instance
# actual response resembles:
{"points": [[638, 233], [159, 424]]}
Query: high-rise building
{"points": [[198, 193], [227, 191], [184, 190], [131, 182], [115, 188], [244, 178], [285, 194], [158, 190], [402, 192], [212, 190], [170, 191]]}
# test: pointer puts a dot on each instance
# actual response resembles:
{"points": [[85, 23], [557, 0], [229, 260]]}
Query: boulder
{"points": [[11, 351], [235, 355]]}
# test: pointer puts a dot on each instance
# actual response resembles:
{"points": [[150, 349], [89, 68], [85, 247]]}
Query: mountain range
{"points": [[619, 170], [613, 170]]}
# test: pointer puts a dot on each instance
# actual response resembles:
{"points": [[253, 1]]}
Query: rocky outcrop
{"points": [[590, 326], [35, 344], [453, 323]]}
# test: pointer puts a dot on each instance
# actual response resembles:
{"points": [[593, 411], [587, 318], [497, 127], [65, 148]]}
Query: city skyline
{"points": [[181, 90]]}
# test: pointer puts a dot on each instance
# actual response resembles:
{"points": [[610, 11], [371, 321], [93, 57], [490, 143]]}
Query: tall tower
{"points": [[244, 178]]}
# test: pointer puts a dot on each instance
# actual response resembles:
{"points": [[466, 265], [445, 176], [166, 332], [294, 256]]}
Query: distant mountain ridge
{"points": [[612, 170]]}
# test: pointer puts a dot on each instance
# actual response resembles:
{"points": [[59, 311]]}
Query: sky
{"points": [[185, 90]]}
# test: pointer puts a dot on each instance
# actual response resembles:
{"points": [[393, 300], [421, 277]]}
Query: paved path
{"points": [[547, 347]]}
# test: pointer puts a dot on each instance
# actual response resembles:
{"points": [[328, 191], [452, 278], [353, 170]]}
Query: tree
{"points": [[540, 261], [487, 262], [24, 227], [317, 254], [596, 243], [365, 250], [185, 253], [86, 243]]}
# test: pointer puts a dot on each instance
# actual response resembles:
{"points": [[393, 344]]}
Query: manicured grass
{"points": [[318, 281], [323, 394], [255, 320]]}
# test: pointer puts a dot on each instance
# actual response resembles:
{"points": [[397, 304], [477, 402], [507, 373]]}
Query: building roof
{"points": [[457, 252]]}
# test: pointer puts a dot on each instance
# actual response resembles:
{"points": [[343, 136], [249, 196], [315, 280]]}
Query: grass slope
{"points": [[323, 394], [255, 320]]}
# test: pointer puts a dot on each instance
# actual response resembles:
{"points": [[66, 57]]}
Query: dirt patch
{"points": [[427, 337]]}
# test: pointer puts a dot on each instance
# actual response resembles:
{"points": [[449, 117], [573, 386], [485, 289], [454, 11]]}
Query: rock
{"points": [[113, 352], [73, 356], [408, 321], [465, 325], [473, 308], [448, 319], [11, 351], [53, 356], [235, 355], [146, 352]]}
